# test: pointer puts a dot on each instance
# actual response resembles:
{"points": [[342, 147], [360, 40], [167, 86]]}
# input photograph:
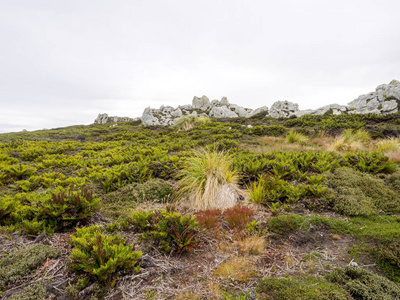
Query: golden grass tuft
{"points": [[253, 245], [296, 138], [187, 122], [351, 140], [208, 181], [388, 145], [238, 267]]}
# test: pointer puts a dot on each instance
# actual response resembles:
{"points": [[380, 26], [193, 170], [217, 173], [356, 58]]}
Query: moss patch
{"points": [[361, 194], [300, 287], [362, 284], [17, 264]]}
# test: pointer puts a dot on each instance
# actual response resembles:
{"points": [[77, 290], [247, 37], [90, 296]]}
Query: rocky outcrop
{"points": [[222, 112], [104, 118], [385, 100], [283, 109]]}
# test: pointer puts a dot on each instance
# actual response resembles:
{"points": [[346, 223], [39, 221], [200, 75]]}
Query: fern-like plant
{"points": [[101, 256]]}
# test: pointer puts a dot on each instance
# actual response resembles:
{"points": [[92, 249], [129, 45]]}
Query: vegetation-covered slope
{"points": [[132, 212]]}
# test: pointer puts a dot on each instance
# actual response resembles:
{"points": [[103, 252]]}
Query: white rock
{"points": [[148, 118], [257, 111], [283, 109], [202, 103], [222, 112]]}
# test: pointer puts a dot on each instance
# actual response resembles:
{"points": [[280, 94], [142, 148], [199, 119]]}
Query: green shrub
{"points": [[299, 288], [171, 230], [21, 262], [273, 130], [363, 284], [388, 257], [361, 194], [33, 292], [285, 223], [101, 256]]}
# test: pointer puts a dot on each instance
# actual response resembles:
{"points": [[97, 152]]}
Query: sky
{"points": [[62, 62]]}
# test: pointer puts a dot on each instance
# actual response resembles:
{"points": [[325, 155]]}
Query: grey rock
{"points": [[222, 112], [202, 103], [148, 117], [239, 110], [224, 101], [384, 100], [176, 113], [257, 111], [104, 118], [283, 109]]}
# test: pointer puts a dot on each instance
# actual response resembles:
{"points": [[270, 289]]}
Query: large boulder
{"points": [[239, 110], [384, 100], [202, 103], [262, 109], [104, 118], [283, 109], [222, 112], [149, 117]]}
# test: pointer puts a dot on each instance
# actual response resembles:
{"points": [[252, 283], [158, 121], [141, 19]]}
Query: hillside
{"points": [[246, 208]]}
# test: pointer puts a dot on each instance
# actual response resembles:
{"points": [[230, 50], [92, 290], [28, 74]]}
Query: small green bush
{"points": [[388, 257], [363, 284], [360, 194], [21, 262], [285, 223], [101, 256], [173, 231], [299, 288], [33, 292]]}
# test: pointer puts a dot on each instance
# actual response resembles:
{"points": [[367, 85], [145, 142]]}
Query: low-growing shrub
{"points": [[21, 262], [299, 288], [35, 291], [208, 219], [285, 223], [238, 216], [388, 257], [101, 256], [363, 284], [171, 230], [358, 193]]}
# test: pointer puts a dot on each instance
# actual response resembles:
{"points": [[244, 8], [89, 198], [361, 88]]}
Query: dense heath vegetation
{"points": [[259, 208]]}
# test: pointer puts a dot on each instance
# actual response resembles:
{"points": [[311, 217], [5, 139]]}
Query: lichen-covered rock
{"points": [[384, 100], [104, 118], [222, 112], [202, 103], [283, 109], [149, 117], [239, 110], [257, 111]]}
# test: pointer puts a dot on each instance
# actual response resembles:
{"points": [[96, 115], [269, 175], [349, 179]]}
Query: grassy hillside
{"points": [[259, 208]]}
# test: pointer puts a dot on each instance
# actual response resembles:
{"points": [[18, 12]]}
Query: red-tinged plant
{"points": [[208, 219], [238, 216]]}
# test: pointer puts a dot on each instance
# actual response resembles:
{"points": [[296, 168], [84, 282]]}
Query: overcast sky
{"points": [[64, 61]]}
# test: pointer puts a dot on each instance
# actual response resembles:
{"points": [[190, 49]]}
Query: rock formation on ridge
{"points": [[385, 100]]}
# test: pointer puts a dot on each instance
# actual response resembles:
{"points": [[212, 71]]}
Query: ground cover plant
{"points": [[205, 209]]}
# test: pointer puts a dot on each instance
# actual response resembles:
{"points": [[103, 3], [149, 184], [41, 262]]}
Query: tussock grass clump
{"points": [[351, 140], [19, 263], [189, 121], [208, 181], [362, 284], [253, 245], [360, 194], [296, 138], [388, 145]]}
